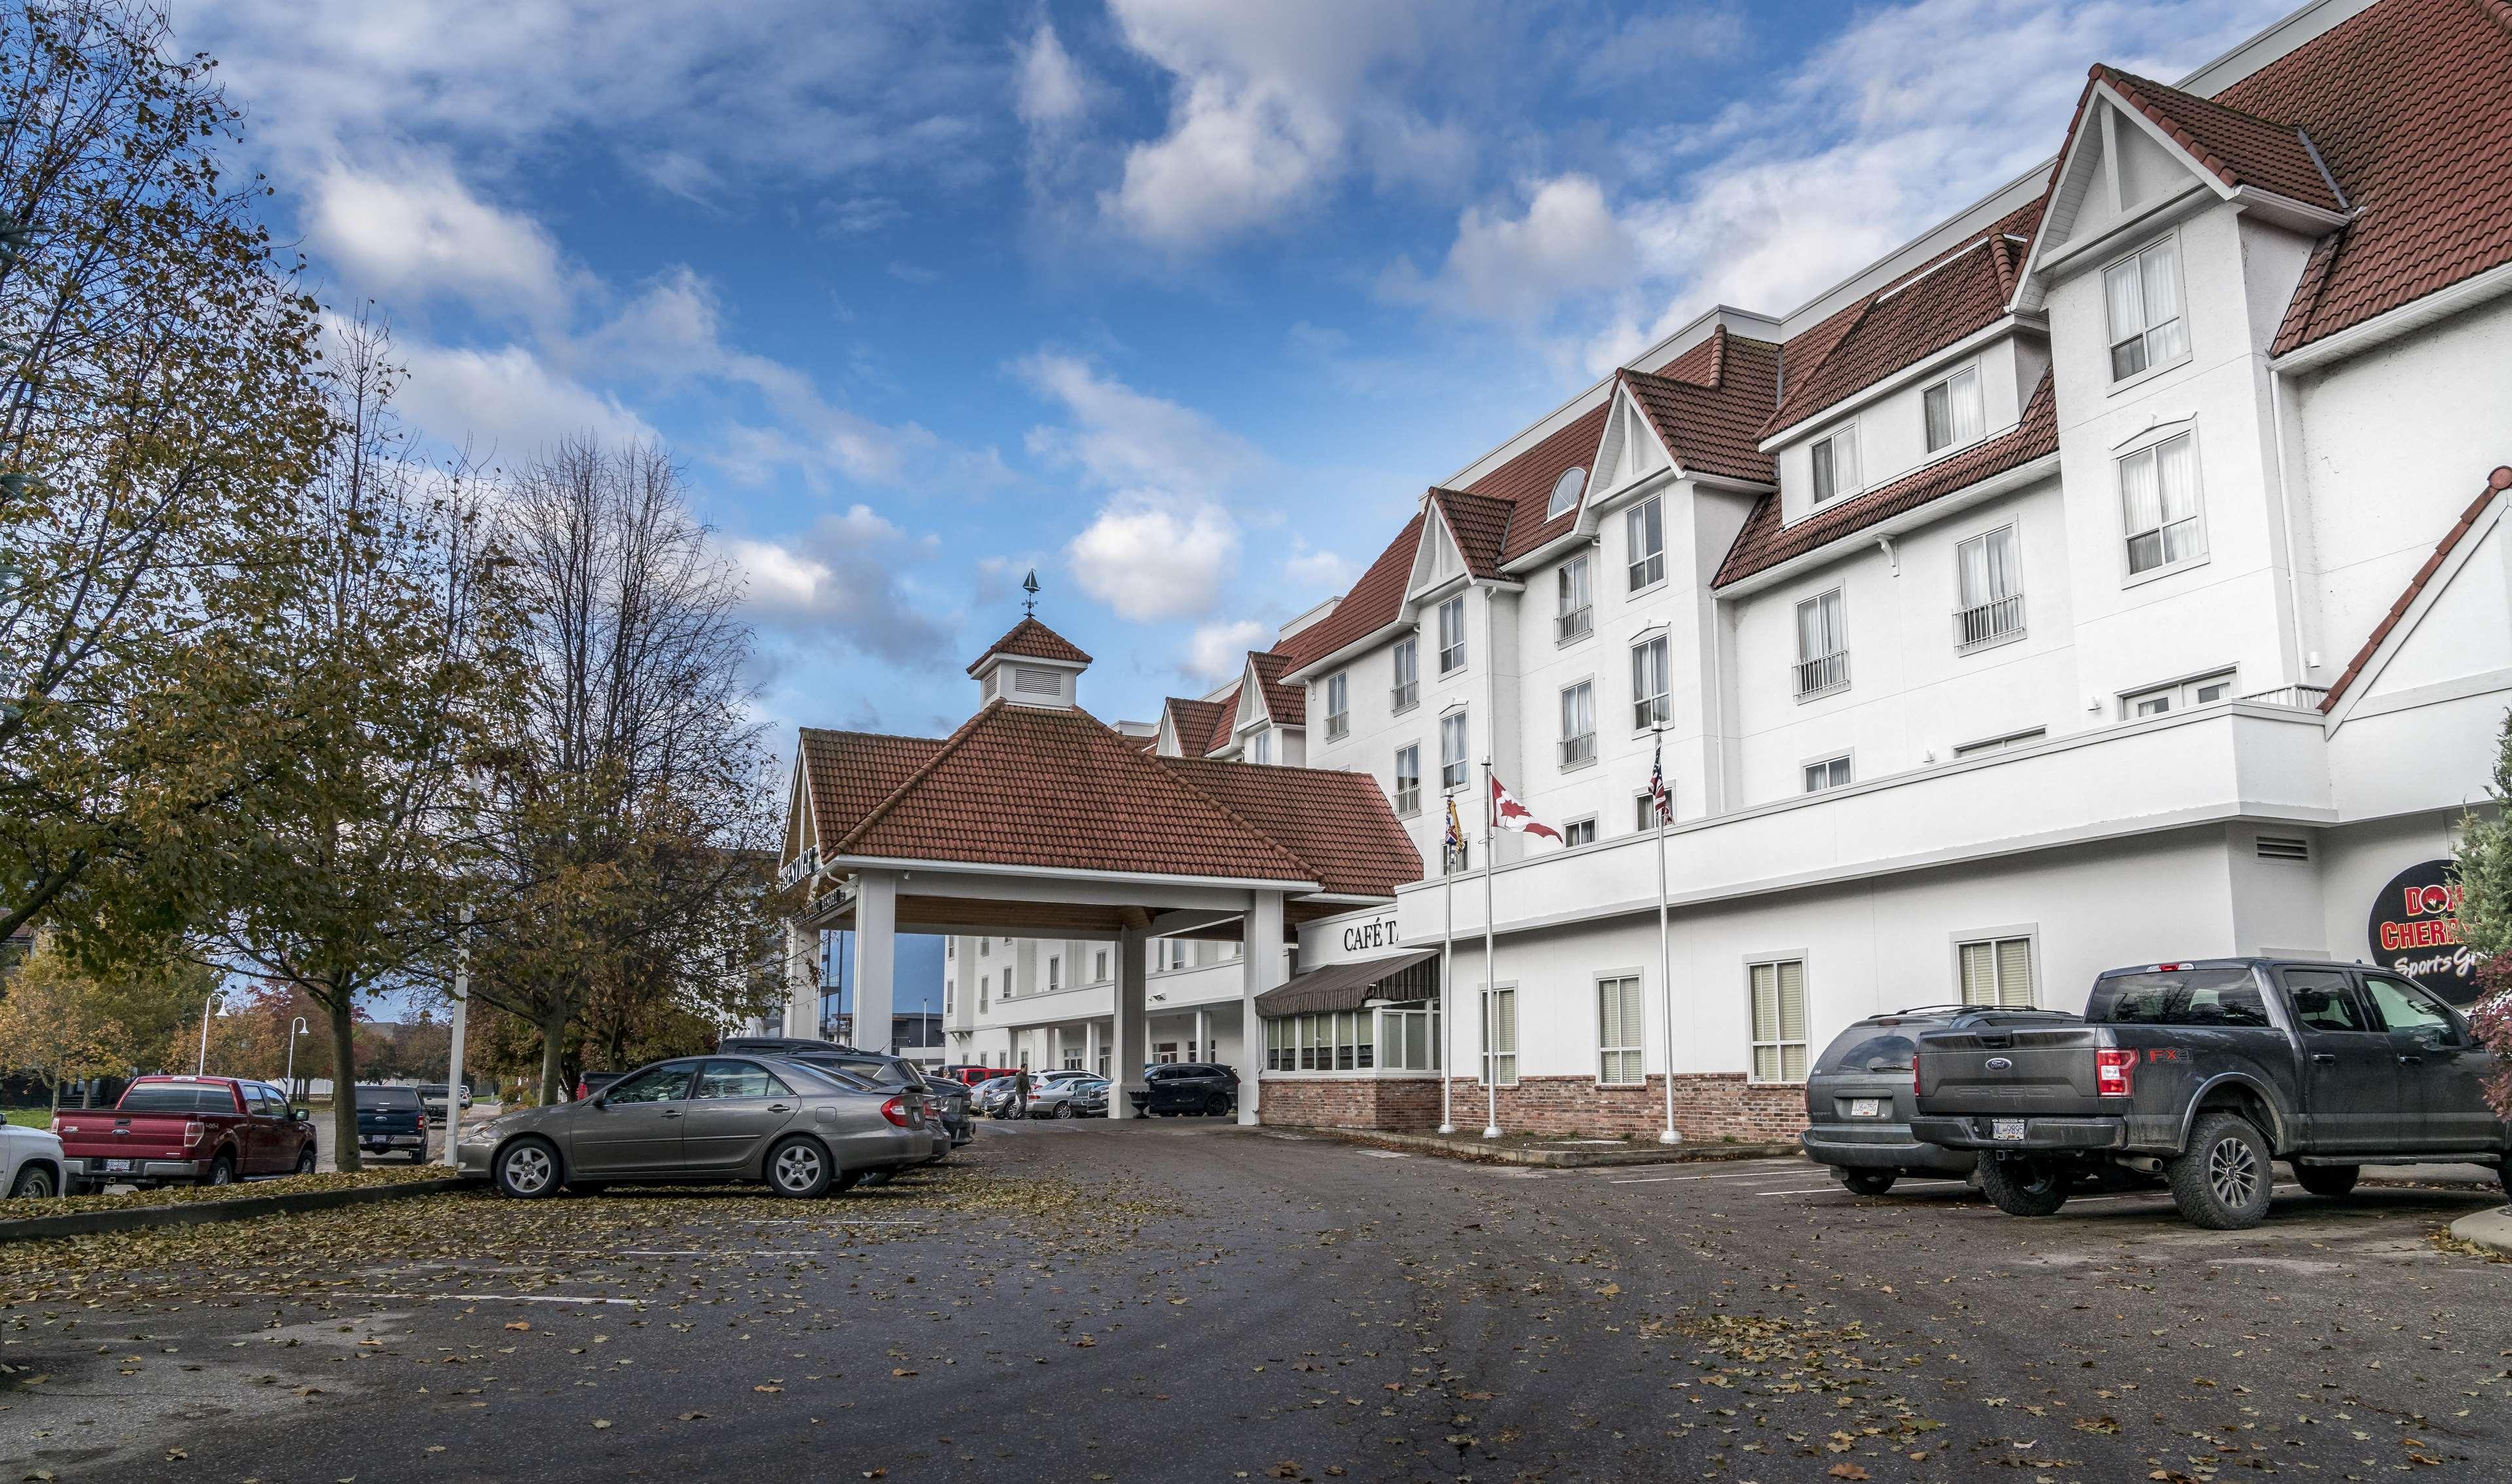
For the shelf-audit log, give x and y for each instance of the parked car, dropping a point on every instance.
(33, 1164)
(1859, 1104)
(993, 1096)
(943, 1104)
(588, 1083)
(186, 1130)
(1062, 1097)
(1088, 1099)
(799, 1128)
(970, 1073)
(2206, 1070)
(1179, 1089)
(431, 1096)
(391, 1119)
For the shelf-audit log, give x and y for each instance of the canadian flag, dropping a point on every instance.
(1509, 814)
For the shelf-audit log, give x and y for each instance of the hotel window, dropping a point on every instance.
(1408, 779)
(1576, 615)
(1406, 691)
(1579, 832)
(1644, 809)
(1452, 634)
(1099, 966)
(1823, 645)
(1997, 972)
(2159, 504)
(1830, 773)
(1779, 1021)
(1652, 704)
(2205, 691)
(1952, 409)
(985, 990)
(2144, 294)
(1054, 973)
(1619, 1023)
(985, 945)
(1836, 465)
(1565, 493)
(1578, 725)
(1500, 1019)
(1991, 596)
(1644, 533)
(1259, 747)
(1452, 750)
(1338, 707)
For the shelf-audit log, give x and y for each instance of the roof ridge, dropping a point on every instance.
(2499, 11)
(2497, 481)
(950, 744)
(1864, 308)
(1717, 356)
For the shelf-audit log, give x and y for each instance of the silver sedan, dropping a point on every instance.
(712, 1118)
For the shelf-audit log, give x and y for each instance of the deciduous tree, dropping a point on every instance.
(2484, 858)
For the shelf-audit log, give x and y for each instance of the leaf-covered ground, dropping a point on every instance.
(21, 1207)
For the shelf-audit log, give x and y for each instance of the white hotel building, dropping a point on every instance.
(2118, 572)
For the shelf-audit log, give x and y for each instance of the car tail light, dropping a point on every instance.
(2112, 1073)
(895, 1110)
(59, 1127)
(581, 1093)
(195, 1131)
(1916, 1089)
(423, 1123)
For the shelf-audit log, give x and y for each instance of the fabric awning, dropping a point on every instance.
(1349, 985)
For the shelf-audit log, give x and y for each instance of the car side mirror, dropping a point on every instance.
(300, 1115)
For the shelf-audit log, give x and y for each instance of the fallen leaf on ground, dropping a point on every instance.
(1847, 1471)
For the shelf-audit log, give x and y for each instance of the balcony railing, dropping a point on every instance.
(1579, 750)
(1987, 623)
(1405, 697)
(1578, 623)
(2300, 697)
(1822, 673)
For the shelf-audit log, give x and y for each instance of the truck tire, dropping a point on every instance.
(2328, 1179)
(527, 1169)
(306, 1160)
(1867, 1182)
(34, 1182)
(2222, 1181)
(222, 1171)
(2024, 1186)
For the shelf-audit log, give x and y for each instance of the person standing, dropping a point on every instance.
(1020, 1091)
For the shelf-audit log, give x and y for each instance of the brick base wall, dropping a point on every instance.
(1707, 1105)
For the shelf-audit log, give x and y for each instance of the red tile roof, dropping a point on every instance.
(851, 771)
(1286, 704)
(1480, 522)
(1371, 606)
(2496, 484)
(1526, 482)
(1713, 426)
(2407, 105)
(2238, 148)
(1765, 543)
(1034, 640)
(1192, 721)
(1030, 786)
(1225, 723)
(1338, 823)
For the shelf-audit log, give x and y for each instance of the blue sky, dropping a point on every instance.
(1180, 302)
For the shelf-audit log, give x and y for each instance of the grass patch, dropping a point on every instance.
(31, 1118)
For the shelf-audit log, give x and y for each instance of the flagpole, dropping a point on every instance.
(1665, 941)
(1447, 972)
(1491, 994)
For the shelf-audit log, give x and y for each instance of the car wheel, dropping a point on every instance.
(1215, 1106)
(798, 1168)
(1064, 1110)
(34, 1182)
(527, 1169)
(2024, 1186)
(2328, 1179)
(306, 1160)
(222, 1171)
(2222, 1181)
(1867, 1182)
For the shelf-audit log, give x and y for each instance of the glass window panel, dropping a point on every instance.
(661, 1084)
(2125, 296)
(1935, 404)
(1644, 526)
(1964, 393)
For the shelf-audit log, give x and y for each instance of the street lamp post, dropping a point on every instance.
(295, 1028)
(461, 1016)
(207, 1006)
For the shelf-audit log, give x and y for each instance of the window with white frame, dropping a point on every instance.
(1575, 614)
(1054, 971)
(1452, 634)
(1619, 1030)
(1997, 972)
(1645, 533)
(1823, 645)
(1830, 773)
(2142, 292)
(2180, 695)
(1408, 778)
(1836, 465)
(1779, 1021)
(1406, 691)
(1499, 1021)
(985, 945)
(1338, 705)
(1566, 491)
(1401, 1037)
(1260, 746)
(1991, 591)
(1099, 966)
(1578, 725)
(2159, 504)
(985, 990)
(1579, 832)
(1452, 750)
(1952, 409)
(1652, 682)
(1644, 818)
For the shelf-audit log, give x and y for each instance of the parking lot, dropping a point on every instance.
(1191, 1301)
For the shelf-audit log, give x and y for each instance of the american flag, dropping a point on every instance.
(1658, 795)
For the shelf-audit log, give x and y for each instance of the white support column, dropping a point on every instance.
(876, 957)
(1132, 1029)
(1203, 1039)
(1260, 961)
(1090, 1046)
(801, 981)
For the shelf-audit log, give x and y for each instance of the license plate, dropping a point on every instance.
(112, 1166)
(2006, 1128)
(378, 1143)
(1866, 1108)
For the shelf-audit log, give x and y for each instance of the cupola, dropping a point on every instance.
(1033, 665)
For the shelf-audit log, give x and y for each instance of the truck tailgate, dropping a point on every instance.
(2031, 1068)
(104, 1134)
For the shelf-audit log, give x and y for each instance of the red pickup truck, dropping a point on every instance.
(186, 1130)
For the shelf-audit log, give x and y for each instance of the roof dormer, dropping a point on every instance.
(1033, 665)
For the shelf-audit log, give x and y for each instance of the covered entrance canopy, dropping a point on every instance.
(1395, 980)
(1036, 819)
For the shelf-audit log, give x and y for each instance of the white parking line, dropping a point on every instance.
(829, 1221)
(1386, 1154)
(483, 1298)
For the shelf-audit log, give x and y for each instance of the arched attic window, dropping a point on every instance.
(1566, 491)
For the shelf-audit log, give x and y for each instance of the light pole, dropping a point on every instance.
(462, 1014)
(207, 1006)
(295, 1028)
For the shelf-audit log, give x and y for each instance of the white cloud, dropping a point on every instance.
(1311, 570)
(406, 226)
(1123, 438)
(1567, 242)
(839, 583)
(1051, 89)
(1150, 558)
(1218, 651)
(505, 403)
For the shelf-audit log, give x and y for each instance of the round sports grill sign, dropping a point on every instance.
(2415, 931)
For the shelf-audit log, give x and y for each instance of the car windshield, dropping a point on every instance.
(176, 1097)
(387, 1097)
(2184, 998)
(1872, 1049)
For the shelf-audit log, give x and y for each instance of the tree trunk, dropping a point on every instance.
(553, 1044)
(344, 1086)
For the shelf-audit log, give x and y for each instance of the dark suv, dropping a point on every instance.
(1187, 1088)
(1859, 1102)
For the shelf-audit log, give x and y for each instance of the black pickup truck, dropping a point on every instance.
(392, 1120)
(2205, 1071)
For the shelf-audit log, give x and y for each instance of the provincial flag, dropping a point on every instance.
(1456, 839)
(1657, 795)
(1509, 814)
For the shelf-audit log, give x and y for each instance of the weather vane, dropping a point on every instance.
(1029, 585)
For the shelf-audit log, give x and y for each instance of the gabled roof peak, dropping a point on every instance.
(1031, 639)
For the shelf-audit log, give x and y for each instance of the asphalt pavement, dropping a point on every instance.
(1160, 1301)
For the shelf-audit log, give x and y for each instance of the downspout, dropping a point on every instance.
(2297, 671)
